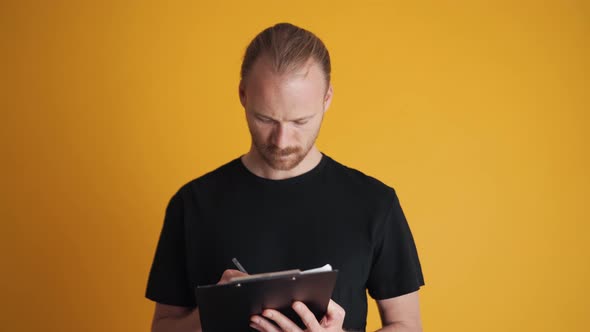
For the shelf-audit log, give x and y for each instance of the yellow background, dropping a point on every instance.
(477, 112)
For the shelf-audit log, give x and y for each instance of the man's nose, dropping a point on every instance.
(280, 137)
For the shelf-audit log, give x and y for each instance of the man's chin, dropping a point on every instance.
(285, 163)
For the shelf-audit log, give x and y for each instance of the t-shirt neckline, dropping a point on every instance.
(295, 179)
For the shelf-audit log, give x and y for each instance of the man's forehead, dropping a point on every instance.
(279, 116)
(266, 68)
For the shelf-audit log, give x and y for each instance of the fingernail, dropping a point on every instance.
(267, 314)
(254, 319)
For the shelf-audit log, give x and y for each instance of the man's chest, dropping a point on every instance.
(279, 236)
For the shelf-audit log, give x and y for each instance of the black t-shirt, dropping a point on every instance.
(330, 215)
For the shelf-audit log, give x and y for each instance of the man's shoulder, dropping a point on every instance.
(214, 178)
(357, 179)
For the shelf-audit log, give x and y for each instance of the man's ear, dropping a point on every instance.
(328, 97)
(242, 93)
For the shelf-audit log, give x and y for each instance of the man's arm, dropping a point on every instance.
(182, 319)
(400, 314)
(175, 319)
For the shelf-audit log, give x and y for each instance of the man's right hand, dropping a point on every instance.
(229, 274)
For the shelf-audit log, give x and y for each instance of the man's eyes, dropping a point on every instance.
(265, 120)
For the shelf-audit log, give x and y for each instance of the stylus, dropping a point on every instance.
(238, 265)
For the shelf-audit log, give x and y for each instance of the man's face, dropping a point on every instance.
(284, 111)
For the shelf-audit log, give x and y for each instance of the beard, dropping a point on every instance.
(282, 159)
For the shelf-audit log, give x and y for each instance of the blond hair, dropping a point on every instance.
(288, 47)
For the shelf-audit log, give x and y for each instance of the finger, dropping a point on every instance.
(256, 326)
(263, 324)
(306, 315)
(334, 313)
(284, 323)
(229, 274)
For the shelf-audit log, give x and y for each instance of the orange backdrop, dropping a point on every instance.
(477, 112)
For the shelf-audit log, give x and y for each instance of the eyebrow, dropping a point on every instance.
(294, 120)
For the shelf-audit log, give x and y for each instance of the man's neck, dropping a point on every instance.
(255, 164)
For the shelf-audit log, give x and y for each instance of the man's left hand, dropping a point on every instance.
(332, 322)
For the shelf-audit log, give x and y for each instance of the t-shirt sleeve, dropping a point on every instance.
(168, 281)
(396, 267)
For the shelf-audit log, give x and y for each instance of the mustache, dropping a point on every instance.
(273, 149)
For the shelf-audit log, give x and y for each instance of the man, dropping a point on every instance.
(286, 205)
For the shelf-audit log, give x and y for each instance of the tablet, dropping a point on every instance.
(228, 307)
